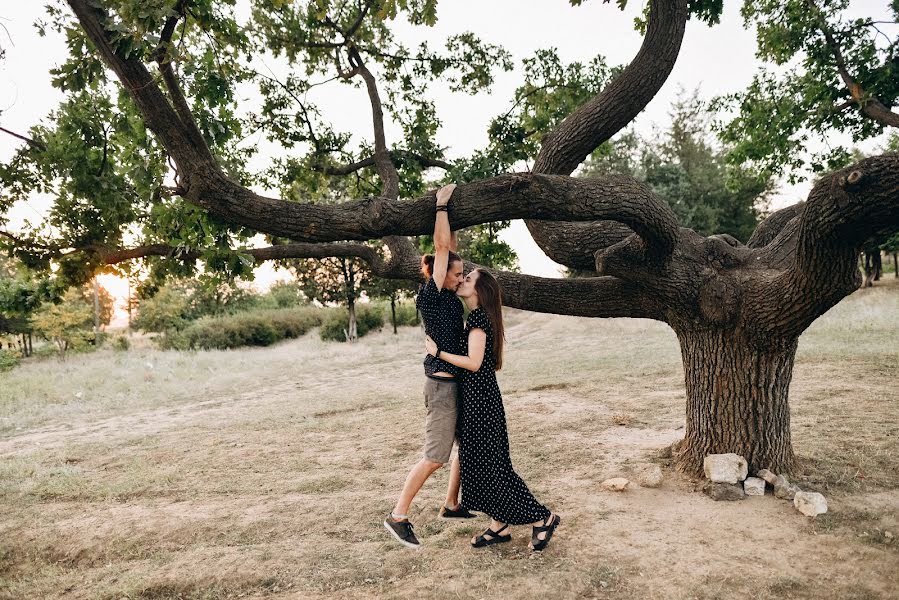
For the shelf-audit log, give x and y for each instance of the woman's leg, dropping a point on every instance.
(494, 526)
(455, 483)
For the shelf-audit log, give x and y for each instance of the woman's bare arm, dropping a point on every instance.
(477, 344)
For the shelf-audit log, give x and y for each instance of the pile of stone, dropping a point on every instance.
(728, 479)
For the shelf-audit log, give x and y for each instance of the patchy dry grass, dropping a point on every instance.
(266, 473)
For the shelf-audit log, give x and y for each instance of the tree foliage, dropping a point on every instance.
(685, 168)
(825, 73)
(69, 322)
(21, 293)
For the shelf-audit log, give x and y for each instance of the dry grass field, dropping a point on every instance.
(266, 473)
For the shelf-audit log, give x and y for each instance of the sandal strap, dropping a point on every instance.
(495, 534)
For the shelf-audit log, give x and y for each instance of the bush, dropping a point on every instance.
(121, 343)
(368, 317)
(256, 328)
(166, 311)
(406, 314)
(8, 359)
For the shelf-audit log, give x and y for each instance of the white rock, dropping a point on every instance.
(616, 484)
(753, 486)
(810, 504)
(725, 468)
(650, 476)
(767, 476)
(79, 395)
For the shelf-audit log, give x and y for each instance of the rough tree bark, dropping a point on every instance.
(738, 311)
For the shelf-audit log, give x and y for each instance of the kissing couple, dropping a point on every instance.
(463, 402)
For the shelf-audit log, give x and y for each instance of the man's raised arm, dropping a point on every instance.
(444, 239)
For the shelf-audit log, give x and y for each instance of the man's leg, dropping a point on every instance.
(416, 478)
(440, 400)
(397, 522)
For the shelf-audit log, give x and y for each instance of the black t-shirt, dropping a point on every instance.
(441, 311)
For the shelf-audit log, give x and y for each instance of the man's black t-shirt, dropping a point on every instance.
(441, 310)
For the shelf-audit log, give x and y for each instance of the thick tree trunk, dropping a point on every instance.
(737, 400)
(393, 313)
(352, 333)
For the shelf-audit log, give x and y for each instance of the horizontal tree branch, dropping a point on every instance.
(512, 196)
(588, 297)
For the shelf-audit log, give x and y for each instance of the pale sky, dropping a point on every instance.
(718, 60)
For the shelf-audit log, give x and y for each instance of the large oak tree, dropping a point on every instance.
(738, 310)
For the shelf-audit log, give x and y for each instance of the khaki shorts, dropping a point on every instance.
(441, 400)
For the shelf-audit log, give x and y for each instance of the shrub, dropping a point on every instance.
(8, 359)
(121, 343)
(165, 311)
(406, 314)
(368, 317)
(256, 328)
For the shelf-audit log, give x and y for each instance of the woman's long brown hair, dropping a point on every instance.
(490, 297)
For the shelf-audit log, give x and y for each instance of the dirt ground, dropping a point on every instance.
(266, 473)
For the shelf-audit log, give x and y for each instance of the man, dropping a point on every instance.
(442, 314)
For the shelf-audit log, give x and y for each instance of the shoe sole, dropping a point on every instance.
(399, 539)
(446, 518)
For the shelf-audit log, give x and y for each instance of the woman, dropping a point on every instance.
(489, 484)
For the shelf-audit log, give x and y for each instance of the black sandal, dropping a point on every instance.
(495, 537)
(549, 526)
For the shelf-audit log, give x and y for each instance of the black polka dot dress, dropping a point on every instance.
(489, 483)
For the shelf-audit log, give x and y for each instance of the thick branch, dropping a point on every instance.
(621, 100)
(358, 23)
(602, 117)
(168, 30)
(507, 197)
(390, 180)
(158, 114)
(512, 196)
(768, 229)
(843, 210)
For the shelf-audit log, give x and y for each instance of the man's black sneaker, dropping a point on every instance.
(402, 531)
(462, 513)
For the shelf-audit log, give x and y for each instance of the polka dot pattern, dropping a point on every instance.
(489, 483)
